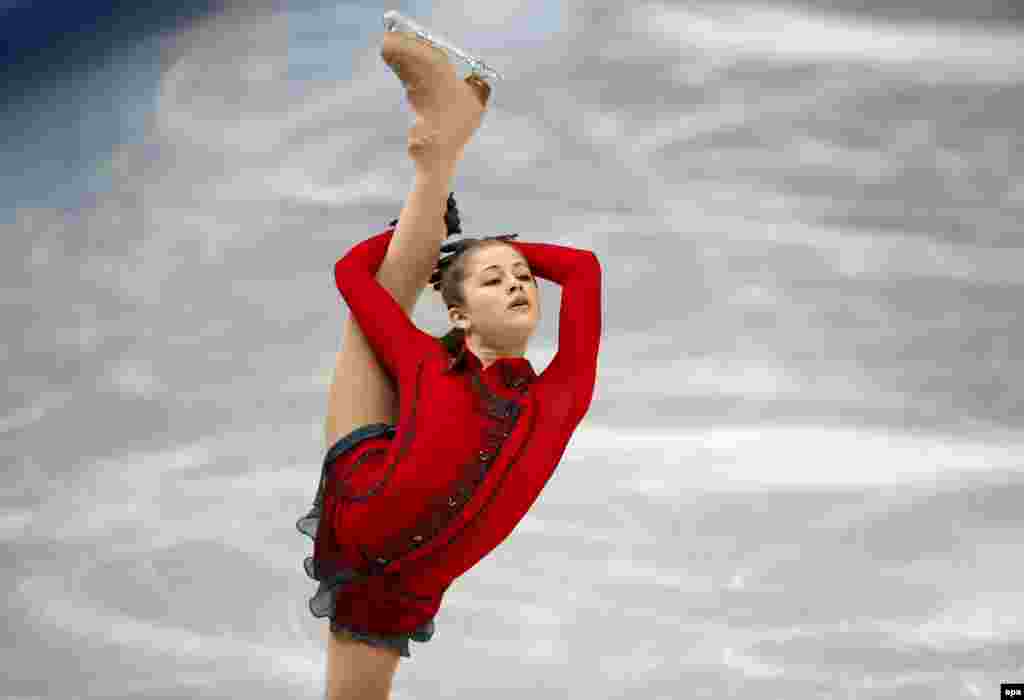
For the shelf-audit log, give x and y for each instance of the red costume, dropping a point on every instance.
(407, 509)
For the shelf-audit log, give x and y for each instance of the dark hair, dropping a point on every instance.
(451, 217)
(451, 273)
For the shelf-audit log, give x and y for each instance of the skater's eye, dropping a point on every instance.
(525, 278)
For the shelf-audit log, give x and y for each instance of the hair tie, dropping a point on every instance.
(457, 248)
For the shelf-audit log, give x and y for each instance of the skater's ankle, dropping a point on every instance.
(431, 170)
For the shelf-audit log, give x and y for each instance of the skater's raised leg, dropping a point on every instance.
(448, 111)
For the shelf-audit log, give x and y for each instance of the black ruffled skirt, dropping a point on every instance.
(334, 567)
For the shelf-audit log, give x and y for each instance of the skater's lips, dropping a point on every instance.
(519, 300)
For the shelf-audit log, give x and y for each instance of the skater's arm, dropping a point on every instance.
(393, 337)
(579, 324)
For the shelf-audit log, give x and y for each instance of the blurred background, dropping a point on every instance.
(800, 476)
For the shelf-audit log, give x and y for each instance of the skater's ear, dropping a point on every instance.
(458, 318)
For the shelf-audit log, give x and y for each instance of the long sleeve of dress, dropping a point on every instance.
(395, 339)
(574, 366)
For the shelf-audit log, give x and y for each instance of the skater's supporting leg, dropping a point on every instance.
(358, 670)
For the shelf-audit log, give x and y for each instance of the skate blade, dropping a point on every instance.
(394, 21)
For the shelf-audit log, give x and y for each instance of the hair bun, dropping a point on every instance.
(451, 216)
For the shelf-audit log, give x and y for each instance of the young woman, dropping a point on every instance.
(412, 495)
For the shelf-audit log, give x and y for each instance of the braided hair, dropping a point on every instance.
(451, 217)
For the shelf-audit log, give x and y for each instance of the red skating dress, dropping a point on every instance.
(402, 511)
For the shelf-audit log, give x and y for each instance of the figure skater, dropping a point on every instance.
(419, 485)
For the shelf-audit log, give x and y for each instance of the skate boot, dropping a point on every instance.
(448, 110)
(396, 22)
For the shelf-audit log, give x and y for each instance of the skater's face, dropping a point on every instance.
(497, 276)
